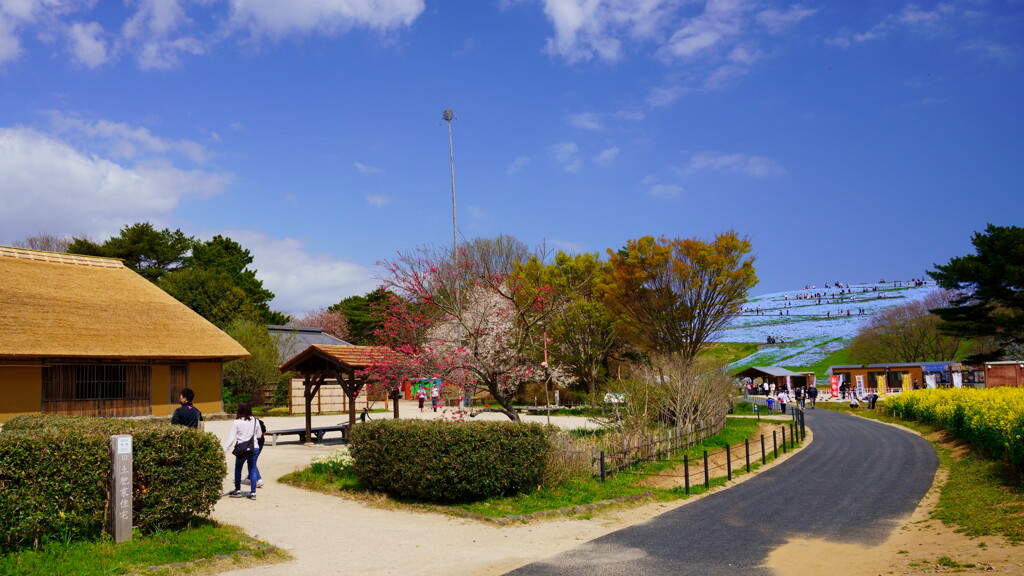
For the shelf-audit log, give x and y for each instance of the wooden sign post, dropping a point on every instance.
(121, 487)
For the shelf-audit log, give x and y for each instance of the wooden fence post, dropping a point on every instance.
(686, 470)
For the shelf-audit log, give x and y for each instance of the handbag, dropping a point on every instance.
(245, 448)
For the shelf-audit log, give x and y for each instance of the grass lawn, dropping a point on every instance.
(189, 551)
(573, 492)
(837, 358)
(981, 497)
(729, 352)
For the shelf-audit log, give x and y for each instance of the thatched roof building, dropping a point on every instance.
(85, 335)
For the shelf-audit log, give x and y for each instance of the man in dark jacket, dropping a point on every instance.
(187, 414)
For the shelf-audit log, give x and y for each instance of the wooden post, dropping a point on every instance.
(746, 443)
(707, 475)
(686, 471)
(121, 487)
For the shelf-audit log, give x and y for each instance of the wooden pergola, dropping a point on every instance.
(317, 364)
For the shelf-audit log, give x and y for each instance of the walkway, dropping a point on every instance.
(854, 484)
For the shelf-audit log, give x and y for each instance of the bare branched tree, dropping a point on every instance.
(45, 242)
(906, 333)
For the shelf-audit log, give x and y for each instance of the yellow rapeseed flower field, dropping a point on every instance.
(990, 418)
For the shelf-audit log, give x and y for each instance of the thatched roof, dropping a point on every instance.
(350, 358)
(68, 306)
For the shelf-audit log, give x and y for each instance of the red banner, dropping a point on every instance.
(834, 381)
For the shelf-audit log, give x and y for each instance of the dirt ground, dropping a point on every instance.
(333, 535)
(915, 548)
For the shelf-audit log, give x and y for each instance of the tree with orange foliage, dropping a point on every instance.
(670, 297)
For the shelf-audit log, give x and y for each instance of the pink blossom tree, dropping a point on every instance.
(332, 322)
(476, 322)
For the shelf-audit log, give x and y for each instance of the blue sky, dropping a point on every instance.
(851, 141)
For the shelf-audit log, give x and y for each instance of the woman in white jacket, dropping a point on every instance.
(244, 429)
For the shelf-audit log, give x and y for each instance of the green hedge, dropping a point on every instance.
(439, 461)
(54, 476)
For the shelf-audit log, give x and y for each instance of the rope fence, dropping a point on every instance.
(621, 453)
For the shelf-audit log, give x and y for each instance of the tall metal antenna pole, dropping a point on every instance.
(448, 116)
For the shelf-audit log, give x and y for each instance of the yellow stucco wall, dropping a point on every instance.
(21, 387)
(159, 390)
(205, 379)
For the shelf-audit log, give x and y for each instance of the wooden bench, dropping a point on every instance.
(317, 431)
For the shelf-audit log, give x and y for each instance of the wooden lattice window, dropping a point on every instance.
(97, 389)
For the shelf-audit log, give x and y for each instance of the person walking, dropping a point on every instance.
(187, 415)
(259, 450)
(783, 398)
(812, 393)
(435, 397)
(421, 397)
(244, 435)
(798, 394)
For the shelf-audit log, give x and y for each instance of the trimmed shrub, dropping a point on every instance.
(54, 476)
(441, 461)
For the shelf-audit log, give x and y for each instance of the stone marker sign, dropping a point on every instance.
(121, 487)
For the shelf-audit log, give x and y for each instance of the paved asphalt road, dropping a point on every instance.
(852, 484)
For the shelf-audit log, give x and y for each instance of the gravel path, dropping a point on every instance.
(329, 535)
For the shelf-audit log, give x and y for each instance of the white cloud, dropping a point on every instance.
(664, 95)
(365, 169)
(664, 190)
(278, 19)
(909, 17)
(755, 166)
(302, 281)
(1000, 53)
(158, 34)
(10, 46)
(586, 28)
(568, 246)
(87, 45)
(125, 141)
(586, 121)
(721, 21)
(517, 165)
(469, 45)
(606, 156)
(779, 21)
(708, 42)
(377, 199)
(153, 34)
(567, 154)
(632, 115)
(46, 185)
